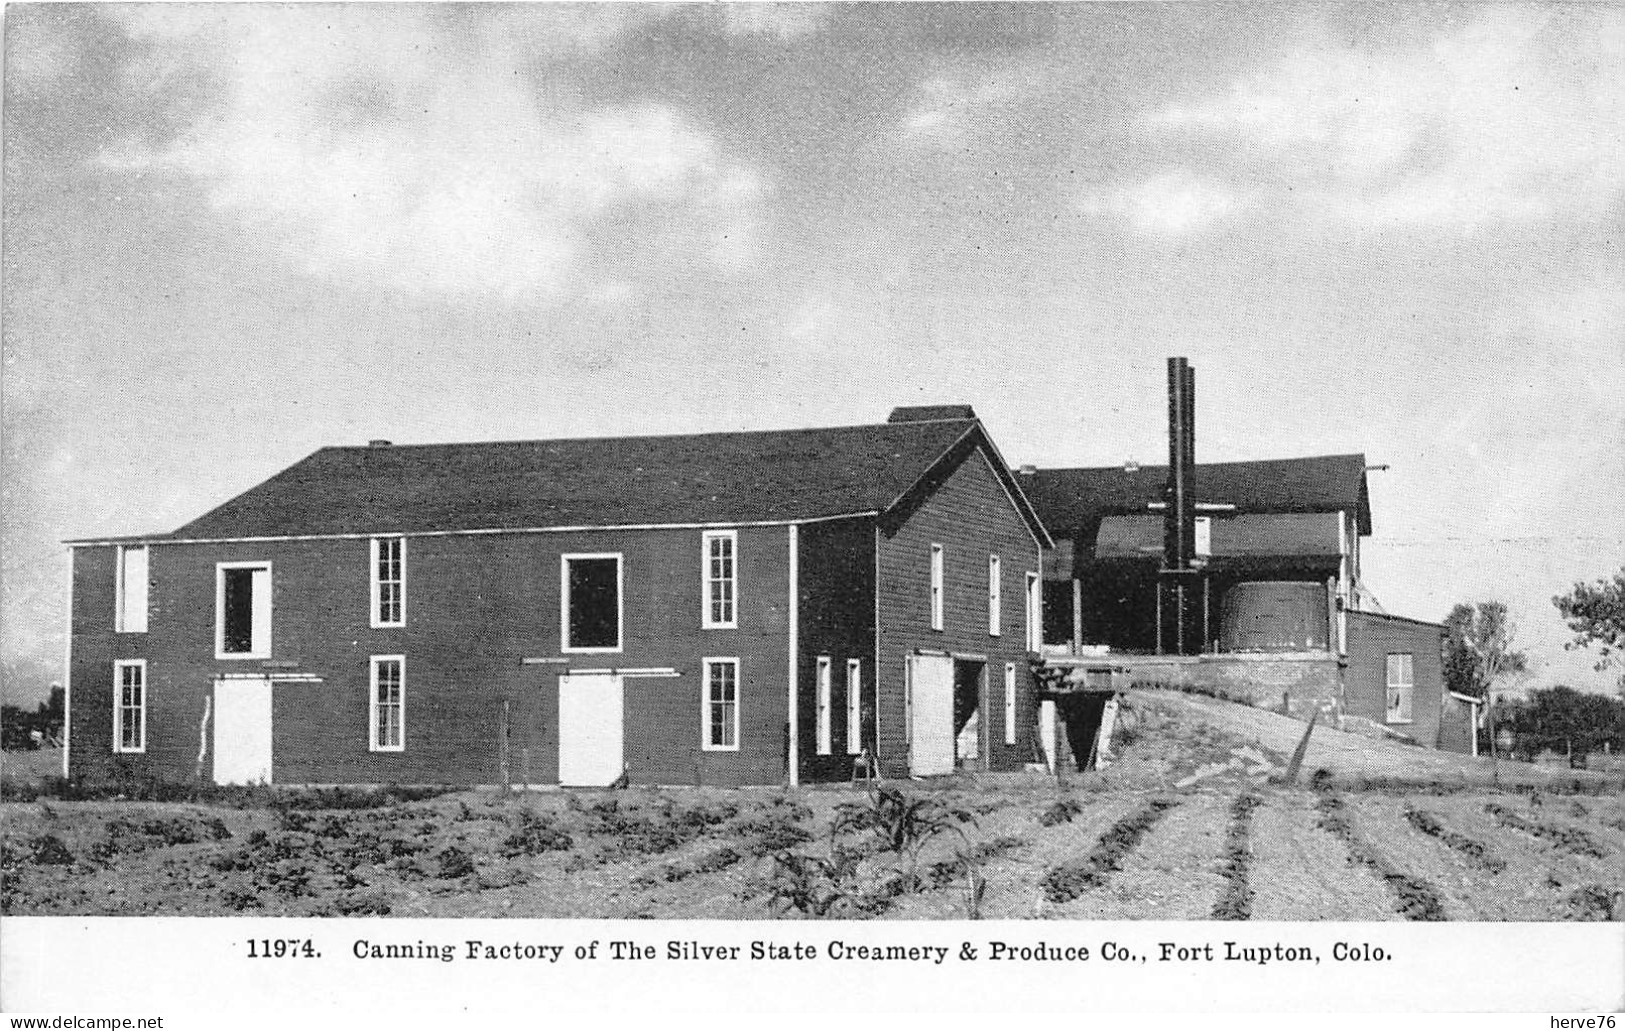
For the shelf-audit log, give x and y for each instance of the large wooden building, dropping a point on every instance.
(738, 608)
(1281, 615)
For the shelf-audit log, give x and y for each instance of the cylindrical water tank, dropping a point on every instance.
(1274, 616)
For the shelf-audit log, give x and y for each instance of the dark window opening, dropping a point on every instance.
(594, 599)
(238, 611)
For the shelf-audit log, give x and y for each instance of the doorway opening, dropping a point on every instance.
(970, 681)
(1082, 714)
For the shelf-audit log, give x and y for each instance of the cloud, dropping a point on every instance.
(786, 21)
(419, 148)
(1169, 204)
(946, 108)
(1517, 116)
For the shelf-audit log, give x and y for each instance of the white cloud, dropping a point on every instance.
(786, 21)
(377, 141)
(947, 107)
(1170, 204)
(1519, 116)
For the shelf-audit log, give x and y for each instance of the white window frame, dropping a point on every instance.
(854, 706)
(118, 707)
(707, 583)
(127, 618)
(1035, 612)
(373, 744)
(706, 701)
(826, 743)
(375, 545)
(995, 599)
(1009, 703)
(564, 602)
(264, 651)
(1407, 686)
(937, 606)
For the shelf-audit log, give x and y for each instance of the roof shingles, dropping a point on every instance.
(616, 481)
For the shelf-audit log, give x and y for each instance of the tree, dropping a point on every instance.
(1596, 614)
(1478, 648)
(1561, 719)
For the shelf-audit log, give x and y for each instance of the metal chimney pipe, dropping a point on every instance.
(1176, 545)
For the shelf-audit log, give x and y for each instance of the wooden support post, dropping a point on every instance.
(1077, 615)
(1159, 617)
(502, 746)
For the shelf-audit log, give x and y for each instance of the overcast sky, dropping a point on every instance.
(234, 234)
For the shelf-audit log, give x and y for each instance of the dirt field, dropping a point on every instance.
(1349, 842)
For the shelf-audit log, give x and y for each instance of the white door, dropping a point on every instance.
(931, 748)
(242, 731)
(591, 725)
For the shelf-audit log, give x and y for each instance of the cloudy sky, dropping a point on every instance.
(234, 234)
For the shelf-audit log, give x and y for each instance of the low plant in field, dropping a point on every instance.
(1416, 899)
(1068, 881)
(531, 834)
(899, 823)
(1059, 812)
(822, 887)
(1237, 901)
(452, 863)
(1570, 839)
(1475, 851)
(49, 850)
(1596, 902)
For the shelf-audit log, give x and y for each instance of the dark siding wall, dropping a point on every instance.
(1371, 639)
(476, 606)
(837, 617)
(971, 516)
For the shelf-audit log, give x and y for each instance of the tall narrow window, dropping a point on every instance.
(388, 732)
(936, 587)
(130, 595)
(130, 705)
(242, 610)
(721, 579)
(1401, 682)
(825, 744)
(995, 604)
(1009, 703)
(1035, 613)
(590, 608)
(854, 707)
(388, 581)
(721, 707)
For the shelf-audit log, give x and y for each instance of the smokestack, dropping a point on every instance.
(1179, 515)
(1178, 584)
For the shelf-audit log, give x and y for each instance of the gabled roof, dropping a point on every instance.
(1072, 502)
(767, 476)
